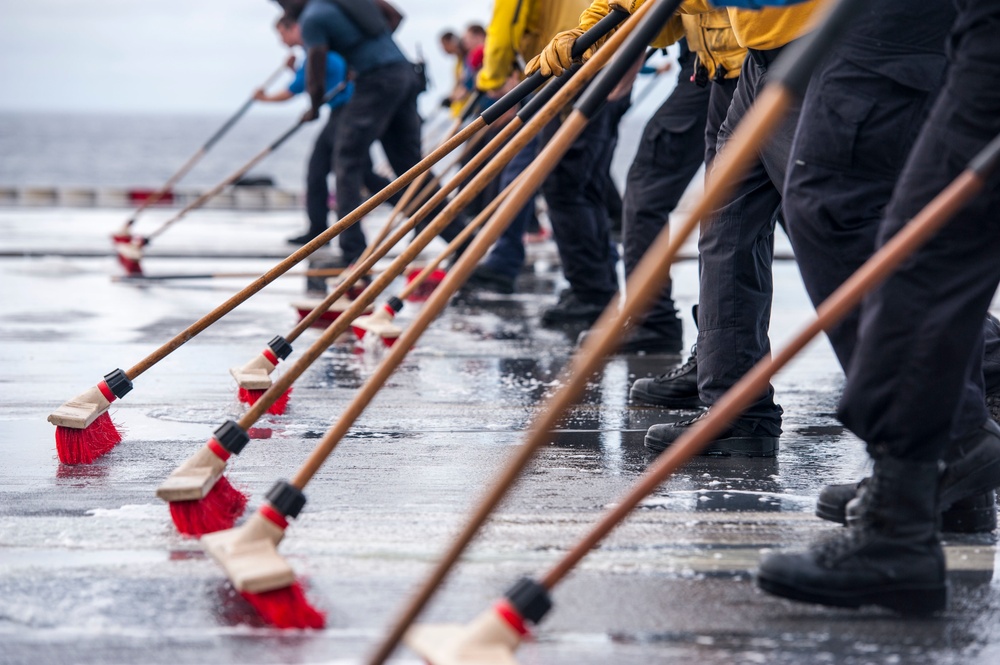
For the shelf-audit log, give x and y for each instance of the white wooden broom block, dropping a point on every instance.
(380, 323)
(194, 479)
(339, 306)
(249, 555)
(488, 640)
(129, 250)
(81, 411)
(255, 375)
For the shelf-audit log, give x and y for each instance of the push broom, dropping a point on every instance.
(130, 253)
(380, 323)
(253, 378)
(201, 499)
(249, 553)
(529, 599)
(492, 637)
(84, 430)
(125, 234)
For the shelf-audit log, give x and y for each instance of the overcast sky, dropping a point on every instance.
(171, 55)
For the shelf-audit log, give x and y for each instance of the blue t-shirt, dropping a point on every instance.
(336, 72)
(325, 24)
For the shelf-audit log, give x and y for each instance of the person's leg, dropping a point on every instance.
(670, 153)
(580, 223)
(910, 388)
(854, 134)
(401, 142)
(734, 310)
(504, 261)
(317, 179)
(365, 118)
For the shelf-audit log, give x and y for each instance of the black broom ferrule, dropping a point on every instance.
(395, 304)
(118, 382)
(530, 599)
(232, 437)
(280, 347)
(286, 499)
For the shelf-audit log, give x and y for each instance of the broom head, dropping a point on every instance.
(84, 430)
(489, 640)
(249, 556)
(424, 291)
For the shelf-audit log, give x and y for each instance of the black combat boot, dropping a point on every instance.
(744, 437)
(890, 556)
(967, 496)
(677, 389)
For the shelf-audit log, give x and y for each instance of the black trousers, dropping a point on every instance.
(576, 197)
(915, 381)
(384, 109)
(736, 249)
(679, 137)
(318, 173)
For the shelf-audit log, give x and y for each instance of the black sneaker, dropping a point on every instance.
(643, 340)
(487, 279)
(571, 309)
(746, 437)
(677, 389)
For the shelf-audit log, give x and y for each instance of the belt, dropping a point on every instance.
(764, 58)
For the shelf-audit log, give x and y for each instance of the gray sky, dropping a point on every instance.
(172, 55)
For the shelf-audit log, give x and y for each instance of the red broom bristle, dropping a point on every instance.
(250, 397)
(358, 331)
(286, 608)
(218, 511)
(131, 266)
(83, 446)
(424, 291)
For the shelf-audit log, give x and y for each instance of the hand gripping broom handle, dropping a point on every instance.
(509, 100)
(653, 272)
(480, 157)
(196, 157)
(398, 265)
(868, 277)
(240, 172)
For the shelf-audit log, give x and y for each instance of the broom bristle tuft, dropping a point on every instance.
(83, 446)
(286, 608)
(250, 397)
(424, 291)
(218, 511)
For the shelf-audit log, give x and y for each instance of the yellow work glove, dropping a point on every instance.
(557, 56)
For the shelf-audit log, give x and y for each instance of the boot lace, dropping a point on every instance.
(681, 370)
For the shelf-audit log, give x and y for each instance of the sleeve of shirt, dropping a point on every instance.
(499, 54)
(298, 84)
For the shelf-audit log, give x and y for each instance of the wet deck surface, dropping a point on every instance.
(92, 570)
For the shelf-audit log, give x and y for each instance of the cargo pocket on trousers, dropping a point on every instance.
(828, 128)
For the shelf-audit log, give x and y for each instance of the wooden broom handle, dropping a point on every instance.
(459, 240)
(305, 251)
(364, 267)
(196, 157)
(382, 282)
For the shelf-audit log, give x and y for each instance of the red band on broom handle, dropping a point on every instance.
(273, 516)
(106, 391)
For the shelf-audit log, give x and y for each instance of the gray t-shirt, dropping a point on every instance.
(326, 24)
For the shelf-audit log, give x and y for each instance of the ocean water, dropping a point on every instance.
(143, 150)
